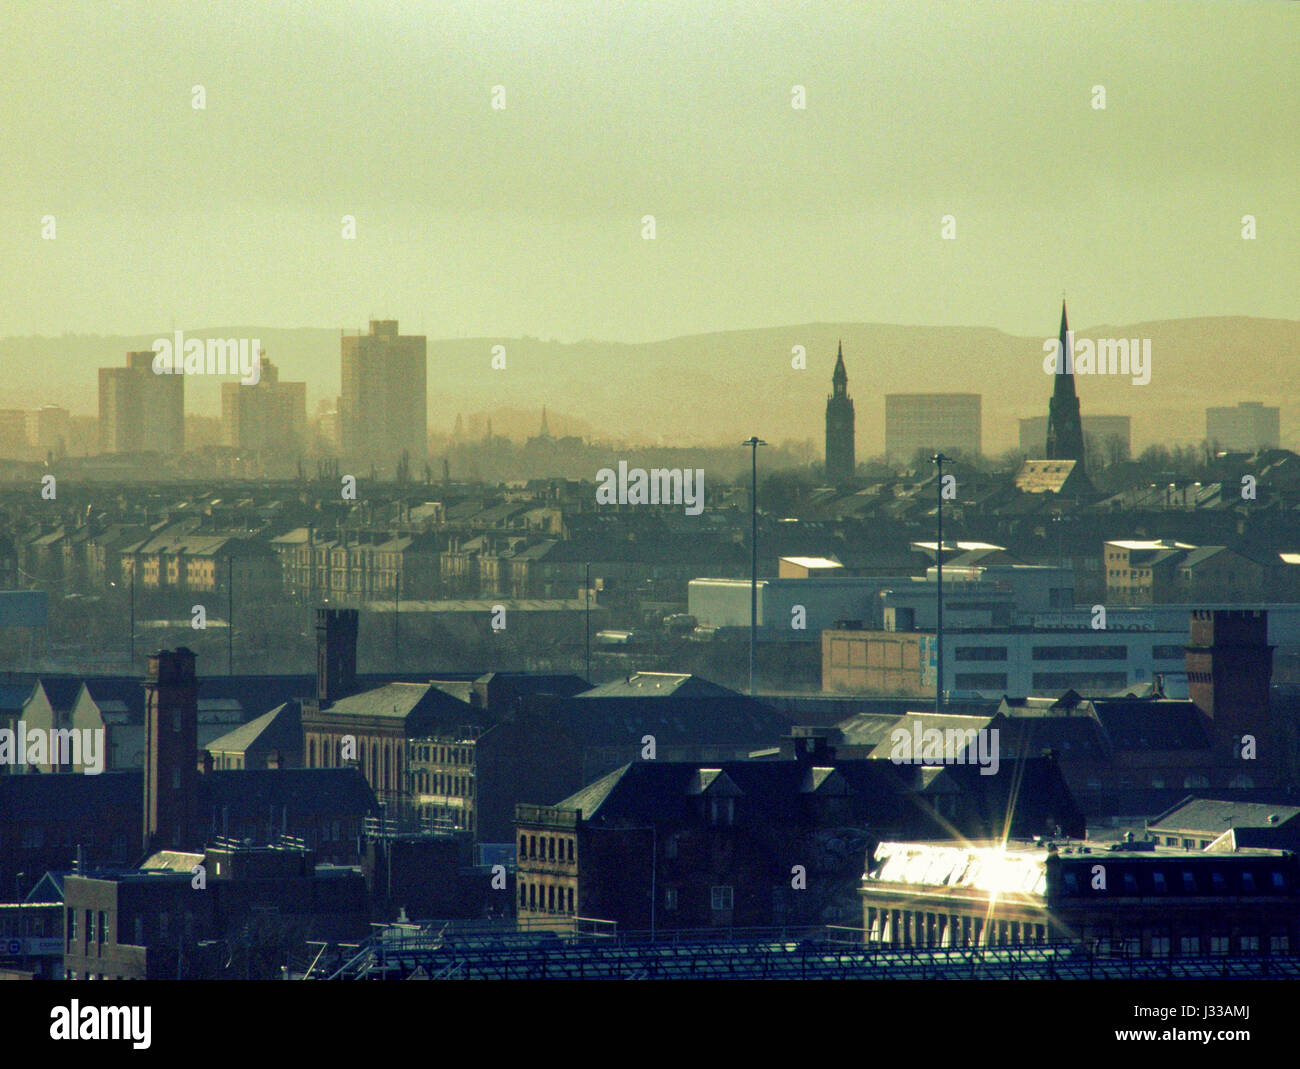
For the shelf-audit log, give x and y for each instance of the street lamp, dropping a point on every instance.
(753, 444)
(938, 460)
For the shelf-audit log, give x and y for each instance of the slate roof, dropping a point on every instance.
(659, 685)
(280, 729)
(881, 794)
(13, 696)
(400, 701)
(914, 723)
(866, 729)
(1210, 816)
(1146, 725)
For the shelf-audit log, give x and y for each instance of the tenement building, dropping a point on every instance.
(1133, 899)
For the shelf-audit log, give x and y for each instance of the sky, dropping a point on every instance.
(529, 219)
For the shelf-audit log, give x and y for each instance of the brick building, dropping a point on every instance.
(1135, 899)
(662, 844)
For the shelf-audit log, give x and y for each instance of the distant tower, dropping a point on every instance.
(1229, 672)
(336, 654)
(839, 426)
(171, 724)
(544, 432)
(1064, 426)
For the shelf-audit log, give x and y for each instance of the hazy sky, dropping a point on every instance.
(528, 219)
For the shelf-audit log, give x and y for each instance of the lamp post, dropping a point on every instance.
(753, 444)
(230, 615)
(22, 935)
(586, 622)
(938, 460)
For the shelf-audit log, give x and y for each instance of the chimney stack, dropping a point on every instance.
(336, 653)
(171, 726)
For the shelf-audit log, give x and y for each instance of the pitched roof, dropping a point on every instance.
(280, 729)
(661, 793)
(401, 701)
(658, 685)
(1138, 724)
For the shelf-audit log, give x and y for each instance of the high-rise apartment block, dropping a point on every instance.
(141, 411)
(1249, 427)
(267, 417)
(383, 411)
(930, 422)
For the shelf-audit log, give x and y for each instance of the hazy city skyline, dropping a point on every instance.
(527, 218)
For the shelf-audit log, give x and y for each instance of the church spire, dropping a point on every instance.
(1065, 371)
(544, 432)
(1064, 423)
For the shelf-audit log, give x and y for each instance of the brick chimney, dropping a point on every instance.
(336, 654)
(171, 726)
(1229, 671)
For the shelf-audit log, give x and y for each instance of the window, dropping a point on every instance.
(532, 846)
(670, 898)
(723, 898)
(981, 681)
(1250, 943)
(1220, 884)
(176, 720)
(550, 845)
(1279, 882)
(571, 910)
(550, 900)
(523, 845)
(1079, 653)
(1189, 882)
(981, 653)
(1159, 879)
(1130, 883)
(570, 849)
(523, 895)
(532, 896)
(1160, 946)
(1218, 944)
(1248, 882)
(1279, 943)
(1189, 945)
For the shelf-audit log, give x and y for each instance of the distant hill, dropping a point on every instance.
(725, 387)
